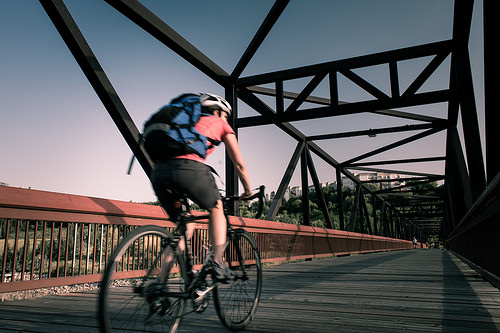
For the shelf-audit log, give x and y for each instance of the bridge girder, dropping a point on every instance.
(464, 172)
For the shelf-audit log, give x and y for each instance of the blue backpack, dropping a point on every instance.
(170, 132)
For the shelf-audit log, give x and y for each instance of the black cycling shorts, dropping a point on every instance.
(192, 178)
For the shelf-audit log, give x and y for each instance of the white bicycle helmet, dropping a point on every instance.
(212, 101)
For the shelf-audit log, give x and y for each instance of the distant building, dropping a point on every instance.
(3, 184)
(296, 191)
(393, 181)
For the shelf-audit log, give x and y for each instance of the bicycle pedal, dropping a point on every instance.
(200, 304)
(200, 299)
(199, 308)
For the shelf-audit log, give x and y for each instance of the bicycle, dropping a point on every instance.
(154, 297)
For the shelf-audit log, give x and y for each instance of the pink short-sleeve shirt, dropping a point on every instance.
(212, 127)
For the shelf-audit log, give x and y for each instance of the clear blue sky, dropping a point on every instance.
(56, 135)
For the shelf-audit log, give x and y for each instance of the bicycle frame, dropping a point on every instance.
(160, 297)
(181, 234)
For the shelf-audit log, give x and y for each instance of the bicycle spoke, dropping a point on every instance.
(132, 297)
(145, 285)
(237, 302)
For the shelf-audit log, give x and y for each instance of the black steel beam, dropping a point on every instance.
(334, 101)
(84, 56)
(306, 216)
(392, 146)
(423, 174)
(412, 180)
(355, 209)
(280, 193)
(144, 18)
(321, 199)
(459, 95)
(266, 26)
(424, 98)
(402, 161)
(492, 116)
(362, 83)
(394, 78)
(371, 132)
(254, 102)
(316, 80)
(457, 183)
(351, 63)
(461, 69)
(340, 198)
(470, 124)
(426, 73)
(286, 94)
(232, 180)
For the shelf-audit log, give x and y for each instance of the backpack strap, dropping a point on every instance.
(156, 127)
(212, 143)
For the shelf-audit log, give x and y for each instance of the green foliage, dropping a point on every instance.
(152, 203)
(291, 210)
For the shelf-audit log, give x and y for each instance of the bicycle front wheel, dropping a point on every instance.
(237, 301)
(134, 296)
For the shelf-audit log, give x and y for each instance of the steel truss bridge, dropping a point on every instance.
(465, 211)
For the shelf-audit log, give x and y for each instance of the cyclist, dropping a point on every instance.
(188, 174)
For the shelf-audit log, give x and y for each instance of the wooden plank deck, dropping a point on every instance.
(424, 290)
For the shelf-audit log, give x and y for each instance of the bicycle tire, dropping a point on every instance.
(134, 299)
(237, 301)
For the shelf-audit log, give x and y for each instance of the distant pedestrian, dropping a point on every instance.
(414, 243)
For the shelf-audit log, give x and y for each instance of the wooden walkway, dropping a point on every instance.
(424, 290)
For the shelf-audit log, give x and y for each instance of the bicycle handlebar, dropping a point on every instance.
(257, 195)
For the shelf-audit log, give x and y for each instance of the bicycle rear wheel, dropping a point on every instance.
(132, 298)
(237, 301)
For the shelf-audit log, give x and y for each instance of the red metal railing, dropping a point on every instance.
(51, 239)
